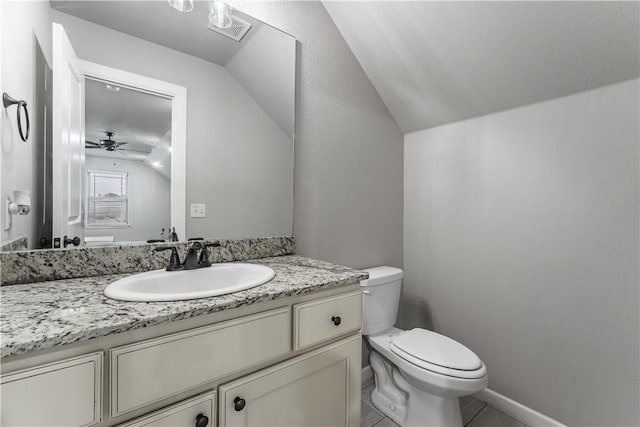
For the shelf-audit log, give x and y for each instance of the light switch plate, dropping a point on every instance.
(198, 210)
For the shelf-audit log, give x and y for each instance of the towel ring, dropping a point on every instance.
(8, 101)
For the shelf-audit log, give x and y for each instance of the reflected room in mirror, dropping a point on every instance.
(147, 124)
(128, 163)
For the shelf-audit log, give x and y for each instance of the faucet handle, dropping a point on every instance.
(195, 245)
(174, 261)
(204, 254)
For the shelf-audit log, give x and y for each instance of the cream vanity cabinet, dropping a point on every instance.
(290, 365)
(321, 388)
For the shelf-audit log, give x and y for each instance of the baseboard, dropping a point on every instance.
(367, 376)
(522, 413)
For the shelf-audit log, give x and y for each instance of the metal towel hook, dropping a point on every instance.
(8, 101)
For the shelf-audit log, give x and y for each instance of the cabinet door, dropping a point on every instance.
(321, 388)
(198, 411)
(65, 393)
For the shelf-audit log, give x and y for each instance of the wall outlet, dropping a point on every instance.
(198, 210)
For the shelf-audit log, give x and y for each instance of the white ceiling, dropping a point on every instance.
(141, 119)
(156, 21)
(439, 62)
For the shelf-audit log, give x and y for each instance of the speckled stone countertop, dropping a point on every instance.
(41, 315)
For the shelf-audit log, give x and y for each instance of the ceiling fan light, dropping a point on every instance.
(182, 5)
(220, 14)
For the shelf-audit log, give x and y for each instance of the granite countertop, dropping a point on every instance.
(41, 315)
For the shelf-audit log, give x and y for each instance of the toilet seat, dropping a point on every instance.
(437, 353)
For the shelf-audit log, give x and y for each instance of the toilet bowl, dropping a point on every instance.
(419, 374)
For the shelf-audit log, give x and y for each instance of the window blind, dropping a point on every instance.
(107, 201)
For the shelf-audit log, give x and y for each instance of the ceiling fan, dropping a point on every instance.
(107, 144)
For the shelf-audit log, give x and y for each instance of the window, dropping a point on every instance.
(107, 201)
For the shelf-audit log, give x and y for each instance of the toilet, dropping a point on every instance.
(418, 374)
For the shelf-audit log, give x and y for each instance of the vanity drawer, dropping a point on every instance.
(327, 318)
(156, 369)
(65, 393)
(183, 414)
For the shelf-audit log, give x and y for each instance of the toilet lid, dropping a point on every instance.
(437, 353)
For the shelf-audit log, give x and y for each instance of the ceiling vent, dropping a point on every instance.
(236, 31)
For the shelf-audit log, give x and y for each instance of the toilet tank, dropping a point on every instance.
(380, 299)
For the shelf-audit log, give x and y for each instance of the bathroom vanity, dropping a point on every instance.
(284, 353)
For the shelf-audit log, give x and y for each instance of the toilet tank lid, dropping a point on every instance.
(382, 275)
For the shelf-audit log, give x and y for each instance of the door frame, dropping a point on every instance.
(178, 96)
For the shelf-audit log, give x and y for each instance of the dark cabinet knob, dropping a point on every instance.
(75, 241)
(238, 403)
(202, 420)
(336, 320)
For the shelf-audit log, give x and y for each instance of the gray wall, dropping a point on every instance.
(348, 149)
(24, 25)
(239, 162)
(265, 66)
(521, 241)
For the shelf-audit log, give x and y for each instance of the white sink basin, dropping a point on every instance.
(161, 285)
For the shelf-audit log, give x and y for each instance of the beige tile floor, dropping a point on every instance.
(475, 413)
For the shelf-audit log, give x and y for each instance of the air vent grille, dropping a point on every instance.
(236, 31)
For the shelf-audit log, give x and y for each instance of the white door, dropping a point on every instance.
(67, 140)
(321, 388)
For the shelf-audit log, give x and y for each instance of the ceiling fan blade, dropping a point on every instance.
(118, 144)
(132, 151)
(92, 146)
(92, 143)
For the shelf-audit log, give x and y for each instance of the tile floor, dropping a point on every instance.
(475, 413)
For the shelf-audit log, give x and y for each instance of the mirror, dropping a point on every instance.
(144, 119)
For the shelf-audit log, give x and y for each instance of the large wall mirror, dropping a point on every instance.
(147, 123)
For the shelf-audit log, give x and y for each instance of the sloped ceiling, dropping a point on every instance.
(439, 62)
(157, 22)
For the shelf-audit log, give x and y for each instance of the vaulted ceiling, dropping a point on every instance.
(157, 22)
(439, 62)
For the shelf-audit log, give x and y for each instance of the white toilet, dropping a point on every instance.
(419, 374)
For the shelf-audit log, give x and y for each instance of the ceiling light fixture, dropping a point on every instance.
(219, 11)
(182, 5)
(220, 14)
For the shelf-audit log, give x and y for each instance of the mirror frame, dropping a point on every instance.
(178, 96)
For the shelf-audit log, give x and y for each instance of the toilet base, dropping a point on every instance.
(407, 405)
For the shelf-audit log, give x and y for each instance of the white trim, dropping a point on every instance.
(178, 96)
(517, 410)
(4, 214)
(367, 376)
